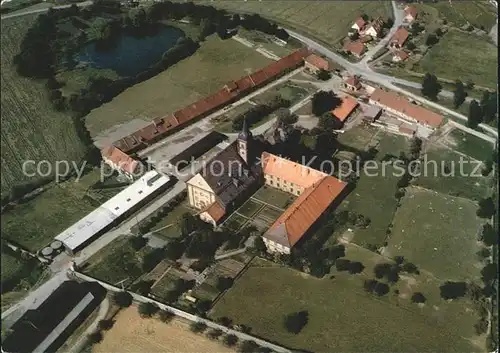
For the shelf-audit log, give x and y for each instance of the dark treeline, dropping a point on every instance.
(257, 113)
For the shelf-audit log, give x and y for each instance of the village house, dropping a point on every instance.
(352, 83)
(410, 14)
(374, 29)
(317, 192)
(356, 48)
(121, 162)
(403, 109)
(371, 113)
(226, 179)
(359, 24)
(399, 38)
(314, 64)
(345, 109)
(399, 56)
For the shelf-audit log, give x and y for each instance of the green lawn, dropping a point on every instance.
(30, 128)
(470, 145)
(249, 208)
(437, 233)
(116, 262)
(171, 220)
(342, 317)
(325, 21)
(472, 186)
(477, 59)
(274, 197)
(214, 64)
(35, 223)
(358, 137)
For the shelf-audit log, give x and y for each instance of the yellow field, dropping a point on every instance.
(131, 333)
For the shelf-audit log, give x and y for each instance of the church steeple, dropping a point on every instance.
(244, 140)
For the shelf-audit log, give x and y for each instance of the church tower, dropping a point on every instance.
(244, 142)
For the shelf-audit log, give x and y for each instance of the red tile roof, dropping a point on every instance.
(226, 95)
(402, 105)
(293, 224)
(402, 54)
(410, 10)
(216, 211)
(355, 47)
(353, 81)
(400, 36)
(345, 109)
(318, 62)
(360, 22)
(119, 159)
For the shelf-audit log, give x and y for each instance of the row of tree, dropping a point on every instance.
(259, 112)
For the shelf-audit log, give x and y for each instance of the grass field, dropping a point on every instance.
(274, 197)
(131, 333)
(472, 186)
(342, 317)
(170, 223)
(326, 21)
(437, 233)
(470, 145)
(30, 128)
(478, 59)
(117, 261)
(214, 64)
(35, 223)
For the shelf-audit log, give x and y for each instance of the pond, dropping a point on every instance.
(130, 55)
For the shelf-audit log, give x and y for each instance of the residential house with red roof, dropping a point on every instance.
(359, 24)
(352, 83)
(314, 63)
(345, 109)
(399, 56)
(399, 38)
(356, 48)
(410, 14)
(120, 161)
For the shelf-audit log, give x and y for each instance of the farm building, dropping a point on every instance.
(359, 24)
(399, 38)
(317, 192)
(109, 213)
(120, 161)
(47, 327)
(403, 109)
(374, 29)
(356, 48)
(399, 56)
(371, 113)
(410, 14)
(314, 63)
(345, 109)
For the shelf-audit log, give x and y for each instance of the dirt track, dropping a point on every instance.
(131, 333)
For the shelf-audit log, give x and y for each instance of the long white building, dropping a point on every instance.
(89, 227)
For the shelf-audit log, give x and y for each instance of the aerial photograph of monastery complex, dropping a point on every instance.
(249, 176)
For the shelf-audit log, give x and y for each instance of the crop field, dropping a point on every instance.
(478, 59)
(326, 21)
(470, 145)
(445, 175)
(30, 128)
(35, 223)
(131, 333)
(214, 64)
(437, 233)
(342, 316)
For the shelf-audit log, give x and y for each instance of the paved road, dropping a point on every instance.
(28, 12)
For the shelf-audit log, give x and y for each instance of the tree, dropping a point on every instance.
(202, 306)
(408, 267)
(324, 101)
(488, 235)
(356, 267)
(418, 297)
(259, 245)
(328, 122)
(206, 28)
(475, 114)
(214, 334)
(410, 45)
(230, 340)
(381, 270)
(453, 290)
(489, 272)
(489, 106)
(324, 75)
(198, 327)
(381, 289)
(285, 117)
(166, 315)
(431, 40)
(143, 287)
(224, 283)
(147, 309)
(137, 242)
(369, 285)
(430, 86)
(486, 208)
(484, 253)
(187, 224)
(95, 337)
(248, 347)
(122, 299)
(459, 94)
(224, 321)
(295, 322)
(342, 265)
(104, 325)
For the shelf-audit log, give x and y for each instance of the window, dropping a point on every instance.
(285, 182)
(140, 191)
(271, 182)
(117, 208)
(278, 185)
(128, 200)
(291, 190)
